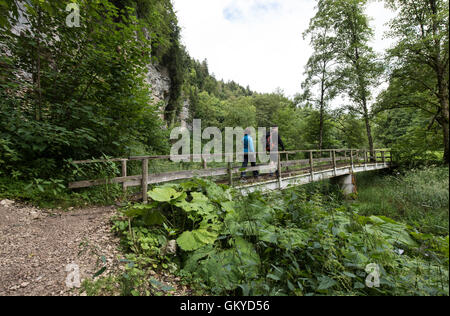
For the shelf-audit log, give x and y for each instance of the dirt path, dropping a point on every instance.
(37, 245)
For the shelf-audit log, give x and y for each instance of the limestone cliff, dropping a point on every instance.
(159, 79)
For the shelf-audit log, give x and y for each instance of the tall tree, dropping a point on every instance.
(357, 62)
(420, 62)
(75, 92)
(360, 69)
(322, 79)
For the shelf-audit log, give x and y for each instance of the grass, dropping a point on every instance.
(419, 197)
(50, 196)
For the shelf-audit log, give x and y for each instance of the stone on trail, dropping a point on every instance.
(6, 202)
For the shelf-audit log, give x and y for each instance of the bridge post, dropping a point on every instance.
(279, 171)
(311, 165)
(351, 161)
(124, 174)
(230, 174)
(333, 154)
(376, 158)
(347, 183)
(287, 160)
(366, 159)
(144, 180)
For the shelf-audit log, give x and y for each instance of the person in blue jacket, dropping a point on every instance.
(249, 149)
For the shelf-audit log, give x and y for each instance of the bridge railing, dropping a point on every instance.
(289, 163)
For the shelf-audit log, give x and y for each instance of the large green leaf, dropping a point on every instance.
(326, 283)
(199, 206)
(154, 217)
(218, 194)
(165, 194)
(289, 238)
(194, 257)
(198, 196)
(393, 232)
(196, 239)
(228, 206)
(225, 267)
(138, 210)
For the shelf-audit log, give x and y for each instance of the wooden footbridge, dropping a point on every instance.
(294, 168)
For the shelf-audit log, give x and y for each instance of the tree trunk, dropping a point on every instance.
(446, 141)
(38, 70)
(321, 117)
(362, 90)
(321, 127)
(369, 132)
(445, 126)
(441, 68)
(322, 105)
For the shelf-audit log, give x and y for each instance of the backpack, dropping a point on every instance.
(269, 144)
(246, 149)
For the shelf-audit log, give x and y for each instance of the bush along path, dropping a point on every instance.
(200, 238)
(43, 252)
(299, 242)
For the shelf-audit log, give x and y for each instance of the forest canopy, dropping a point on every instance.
(81, 92)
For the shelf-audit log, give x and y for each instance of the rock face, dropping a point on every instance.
(184, 115)
(157, 76)
(159, 79)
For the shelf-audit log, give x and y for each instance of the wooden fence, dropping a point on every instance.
(315, 159)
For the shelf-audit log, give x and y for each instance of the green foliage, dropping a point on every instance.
(350, 130)
(196, 239)
(419, 197)
(322, 77)
(85, 94)
(198, 79)
(419, 72)
(343, 62)
(8, 156)
(45, 193)
(304, 241)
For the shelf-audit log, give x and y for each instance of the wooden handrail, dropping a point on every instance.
(349, 158)
(224, 155)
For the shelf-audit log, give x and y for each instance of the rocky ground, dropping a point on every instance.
(41, 251)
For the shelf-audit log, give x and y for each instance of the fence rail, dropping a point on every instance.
(316, 160)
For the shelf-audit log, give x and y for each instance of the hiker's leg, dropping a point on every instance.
(244, 165)
(255, 172)
(253, 163)
(273, 159)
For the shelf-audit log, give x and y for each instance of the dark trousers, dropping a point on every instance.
(245, 164)
(274, 158)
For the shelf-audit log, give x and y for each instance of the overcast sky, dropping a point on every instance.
(258, 42)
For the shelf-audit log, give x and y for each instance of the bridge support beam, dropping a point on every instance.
(347, 183)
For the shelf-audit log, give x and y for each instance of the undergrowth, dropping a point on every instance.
(304, 241)
(53, 192)
(418, 197)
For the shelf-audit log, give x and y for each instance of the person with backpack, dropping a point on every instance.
(271, 144)
(249, 150)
